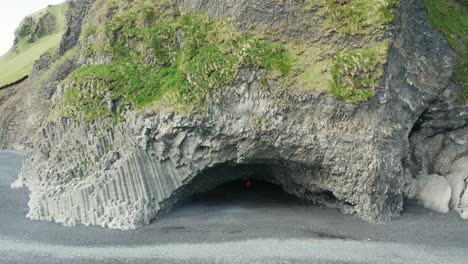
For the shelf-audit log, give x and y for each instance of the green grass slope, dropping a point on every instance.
(18, 62)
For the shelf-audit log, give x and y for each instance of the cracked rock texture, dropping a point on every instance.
(362, 159)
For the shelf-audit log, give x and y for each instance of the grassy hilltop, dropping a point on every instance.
(30, 44)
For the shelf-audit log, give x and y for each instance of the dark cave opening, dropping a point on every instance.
(237, 191)
(271, 184)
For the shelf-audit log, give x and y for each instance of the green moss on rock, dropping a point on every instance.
(355, 73)
(464, 93)
(362, 17)
(451, 17)
(189, 54)
(163, 57)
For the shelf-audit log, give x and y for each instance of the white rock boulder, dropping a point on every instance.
(457, 179)
(464, 206)
(435, 193)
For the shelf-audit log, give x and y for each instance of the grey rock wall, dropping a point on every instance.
(134, 170)
(367, 156)
(439, 146)
(78, 11)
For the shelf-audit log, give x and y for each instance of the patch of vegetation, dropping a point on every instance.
(156, 53)
(161, 57)
(89, 30)
(464, 94)
(361, 17)
(59, 11)
(311, 66)
(15, 66)
(19, 62)
(355, 73)
(100, 91)
(451, 17)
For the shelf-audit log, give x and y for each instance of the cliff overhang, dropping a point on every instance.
(151, 103)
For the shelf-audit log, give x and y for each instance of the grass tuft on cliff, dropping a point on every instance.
(188, 55)
(451, 17)
(18, 62)
(355, 73)
(362, 17)
(160, 57)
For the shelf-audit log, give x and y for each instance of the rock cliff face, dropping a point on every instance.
(361, 158)
(33, 30)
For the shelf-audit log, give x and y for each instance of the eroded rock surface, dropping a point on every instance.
(439, 143)
(361, 158)
(32, 29)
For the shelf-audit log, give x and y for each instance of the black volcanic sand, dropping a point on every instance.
(229, 213)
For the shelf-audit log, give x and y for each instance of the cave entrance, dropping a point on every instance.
(247, 193)
(270, 183)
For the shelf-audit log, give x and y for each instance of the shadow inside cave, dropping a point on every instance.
(260, 193)
(224, 186)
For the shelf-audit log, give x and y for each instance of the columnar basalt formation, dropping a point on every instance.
(369, 155)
